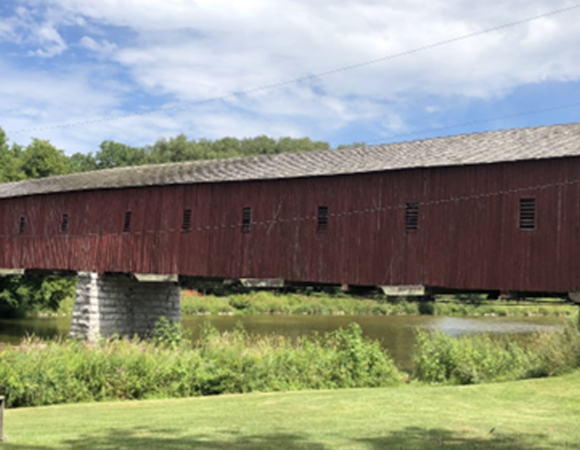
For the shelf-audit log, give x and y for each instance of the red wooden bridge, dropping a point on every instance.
(495, 211)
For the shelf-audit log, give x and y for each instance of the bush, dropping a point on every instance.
(440, 358)
(44, 373)
(166, 334)
(426, 308)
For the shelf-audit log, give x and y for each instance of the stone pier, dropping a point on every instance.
(107, 305)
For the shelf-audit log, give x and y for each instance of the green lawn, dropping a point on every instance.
(525, 415)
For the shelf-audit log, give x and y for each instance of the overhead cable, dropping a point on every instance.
(315, 76)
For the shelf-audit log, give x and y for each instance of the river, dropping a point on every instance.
(396, 333)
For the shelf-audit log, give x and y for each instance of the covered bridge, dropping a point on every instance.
(493, 211)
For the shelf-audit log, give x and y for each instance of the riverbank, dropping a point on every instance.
(269, 302)
(170, 365)
(526, 415)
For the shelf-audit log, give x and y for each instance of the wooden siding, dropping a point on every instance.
(468, 234)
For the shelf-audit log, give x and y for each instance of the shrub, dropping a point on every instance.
(440, 358)
(44, 373)
(166, 334)
(426, 308)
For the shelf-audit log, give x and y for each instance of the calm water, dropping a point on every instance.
(396, 333)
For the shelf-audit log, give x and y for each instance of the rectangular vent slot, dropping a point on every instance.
(127, 222)
(64, 223)
(527, 213)
(412, 216)
(186, 224)
(246, 219)
(322, 224)
(22, 225)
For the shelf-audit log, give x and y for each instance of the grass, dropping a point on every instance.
(267, 302)
(531, 415)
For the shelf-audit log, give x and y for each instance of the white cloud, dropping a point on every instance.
(6, 29)
(193, 49)
(50, 40)
(103, 47)
(185, 51)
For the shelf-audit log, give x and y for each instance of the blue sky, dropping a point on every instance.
(77, 72)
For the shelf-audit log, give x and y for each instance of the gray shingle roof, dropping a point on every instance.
(480, 148)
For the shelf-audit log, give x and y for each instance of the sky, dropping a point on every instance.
(78, 72)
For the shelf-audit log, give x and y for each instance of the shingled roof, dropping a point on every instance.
(555, 141)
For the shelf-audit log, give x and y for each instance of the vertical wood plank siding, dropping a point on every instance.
(468, 234)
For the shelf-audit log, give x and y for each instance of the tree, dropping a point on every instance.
(114, 154)
(175, 149)
(353, 145)
(10, 160)
(20, 295)
(81, 162)
(259, 145)
(41, 159)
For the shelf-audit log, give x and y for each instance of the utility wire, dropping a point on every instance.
(472, 122)
(299, 79)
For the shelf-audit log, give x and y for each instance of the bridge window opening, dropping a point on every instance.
(322, 224)
(64, 223)
(127, 222)
(412, 216)
(186, 224)
(527, 213)
(22, 225)
(246, 219)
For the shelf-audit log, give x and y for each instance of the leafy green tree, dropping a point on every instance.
(41, 159)
(175, 149)
(227, 147)
(81, 162)
(20, 295)
(114, 154)
(353, 145)
(260, 145)
(10, 160)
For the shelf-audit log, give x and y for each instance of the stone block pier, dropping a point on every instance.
(119, 304)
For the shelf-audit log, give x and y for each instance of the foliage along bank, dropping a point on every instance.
(271, 302)
(45, 373)
(168, 366)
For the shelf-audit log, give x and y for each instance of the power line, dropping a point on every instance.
(299, 79)
(475, 122)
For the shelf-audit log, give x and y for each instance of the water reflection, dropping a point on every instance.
(12, 331)
(457, 326)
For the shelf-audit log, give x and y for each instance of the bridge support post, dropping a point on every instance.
(575, 298)
(107, 305)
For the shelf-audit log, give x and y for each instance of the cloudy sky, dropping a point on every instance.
(77, 72)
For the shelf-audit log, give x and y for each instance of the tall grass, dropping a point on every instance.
(480, 358)
(44, 373)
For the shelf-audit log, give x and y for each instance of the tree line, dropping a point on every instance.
(42, 159)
